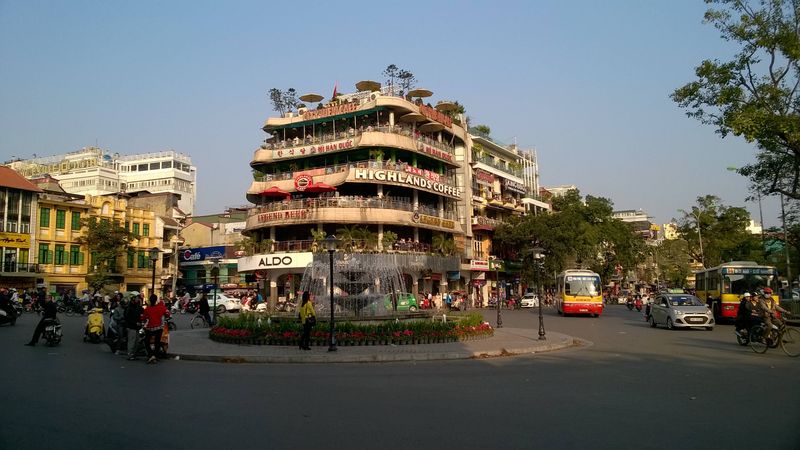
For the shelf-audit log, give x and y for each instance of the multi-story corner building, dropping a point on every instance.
(18, 200)
(94, 171)
(505, 182)
(381, 172)
(64, 262)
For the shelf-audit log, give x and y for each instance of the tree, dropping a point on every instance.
(106, 241)
(755, 94)
(283, 102)
(576, 234)
(723, 230)
(483, 130)
(407, 80)
(443, 243)
(391, 73)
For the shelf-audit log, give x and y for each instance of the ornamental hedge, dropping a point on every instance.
(250, 328)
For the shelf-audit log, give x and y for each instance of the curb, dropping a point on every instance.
(343, 357)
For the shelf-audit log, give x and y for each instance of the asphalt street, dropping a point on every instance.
(633, 387)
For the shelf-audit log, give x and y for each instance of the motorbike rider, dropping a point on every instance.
(766, 308)
(744, 316)
(204, 308)
(48, 316)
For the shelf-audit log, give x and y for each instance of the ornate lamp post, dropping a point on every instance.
(538, 257)
(330, 245)
(497, 283)
(153, 259)
(215, 270)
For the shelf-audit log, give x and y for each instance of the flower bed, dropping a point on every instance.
(254, 330)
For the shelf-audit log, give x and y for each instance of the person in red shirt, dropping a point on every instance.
(153, 327)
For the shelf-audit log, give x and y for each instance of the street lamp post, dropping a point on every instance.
(330, 245)
(537, 256)
(215, 270)
(785, 244)
(153, 259)
(497, 285)
(699, 235)
(178, 241)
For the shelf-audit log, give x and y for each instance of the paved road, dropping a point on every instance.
(635, 387)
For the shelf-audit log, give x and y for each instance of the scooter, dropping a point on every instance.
(629, 304)
(638, 304)
(95, 328)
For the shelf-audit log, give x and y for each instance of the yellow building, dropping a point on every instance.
(65, 264)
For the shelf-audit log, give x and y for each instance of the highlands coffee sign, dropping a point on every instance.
(408, 179)
(274, 261)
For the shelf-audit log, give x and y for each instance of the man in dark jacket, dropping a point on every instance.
(48, 316)
(133, 314)
(204, 308)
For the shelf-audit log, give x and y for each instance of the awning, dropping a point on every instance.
(320, 187)
(274, 191)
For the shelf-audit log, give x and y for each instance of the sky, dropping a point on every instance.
(585, 83)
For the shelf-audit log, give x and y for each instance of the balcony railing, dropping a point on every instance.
(354, 245)
(448, 177)
(16, 267)
(323, 138)
(397, 203)
(497, 165)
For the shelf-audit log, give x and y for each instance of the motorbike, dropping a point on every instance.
(95, 327)
(629, 304)
(171, 325)
(638, 305)
(52, 332)
(8, 316)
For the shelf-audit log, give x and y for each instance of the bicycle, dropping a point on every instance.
(787, 337)
(198, 321)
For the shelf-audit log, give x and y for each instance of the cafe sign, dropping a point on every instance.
(433, 114)
(330, 111)
(513, 186)
(433, 151)
(343, 144)
(432, 220)
(408, 179)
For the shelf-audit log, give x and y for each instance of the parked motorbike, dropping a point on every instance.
(52, 332)
(8, 316)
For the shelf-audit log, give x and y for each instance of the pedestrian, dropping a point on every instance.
(204, 308)
(153, 327)
(133, 314)
(308, 318)
(48, 316)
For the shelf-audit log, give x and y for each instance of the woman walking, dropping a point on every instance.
(308, 318)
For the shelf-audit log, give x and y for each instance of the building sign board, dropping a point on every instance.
(479, 265)
(275, 261)
(403, 178)
(201, 254)
(343, 144)
(17, 240)
(289, 214)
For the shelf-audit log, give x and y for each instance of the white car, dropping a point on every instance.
(680, 311)
(529, 300)
(224, 303)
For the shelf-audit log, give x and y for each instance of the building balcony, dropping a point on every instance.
(10, 268)
(398, 136)
(347, 210)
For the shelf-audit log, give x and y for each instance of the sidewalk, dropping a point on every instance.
(195, 345)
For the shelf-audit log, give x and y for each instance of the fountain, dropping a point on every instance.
(361, 283)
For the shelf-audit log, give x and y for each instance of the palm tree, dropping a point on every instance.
(443, 243)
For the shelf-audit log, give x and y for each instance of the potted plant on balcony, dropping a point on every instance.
(389, 238)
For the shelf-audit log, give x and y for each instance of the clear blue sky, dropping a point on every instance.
(586, 83)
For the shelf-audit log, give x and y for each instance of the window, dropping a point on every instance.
(61, 219)
(127, 226)
(44, 253)
(146, 229)
(135, 229)
(75, 223)
(44, 217)
(75, 255)
(142, 260)
(131, 255)
(60, 255)
(142, 167)
(166, 165)
(155, 166)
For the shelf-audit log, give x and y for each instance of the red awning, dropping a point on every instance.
(320, 187)
(274, 191)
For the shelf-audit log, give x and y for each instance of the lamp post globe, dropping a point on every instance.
(330, 246)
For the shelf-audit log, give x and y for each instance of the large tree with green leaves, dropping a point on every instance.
(722, 230)
(754, 95)
(283, 101)
(108, 243)
(577, 234)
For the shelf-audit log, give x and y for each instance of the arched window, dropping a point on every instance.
(106, 209)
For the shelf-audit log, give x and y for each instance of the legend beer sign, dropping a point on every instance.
(289, 214)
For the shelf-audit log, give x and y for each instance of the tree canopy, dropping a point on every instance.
(577, 234)
(106, 241)
(283, 101)
(754, 95)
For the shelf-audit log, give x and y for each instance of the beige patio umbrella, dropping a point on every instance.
(431, 126)
(311, 97)
(446, 105)
(368, 85)
(412, 117)
(420, 93)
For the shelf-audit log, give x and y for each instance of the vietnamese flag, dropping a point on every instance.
(335, 85)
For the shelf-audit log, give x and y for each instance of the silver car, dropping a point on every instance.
(680, 311)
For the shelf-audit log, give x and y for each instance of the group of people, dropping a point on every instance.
(760, 307)
(128, 317)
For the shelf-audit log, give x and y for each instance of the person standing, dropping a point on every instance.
(204, 308)
(308, 318)
(48, 316)
(133, 314)
(153, 327)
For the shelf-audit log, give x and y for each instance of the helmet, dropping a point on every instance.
(746, 294)
(767, 291)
